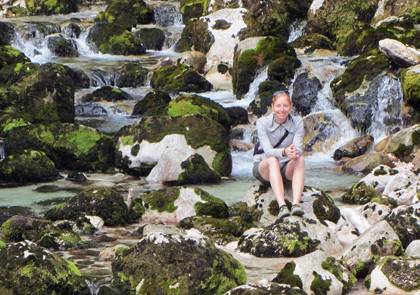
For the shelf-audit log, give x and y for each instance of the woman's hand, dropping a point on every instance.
(291, 152)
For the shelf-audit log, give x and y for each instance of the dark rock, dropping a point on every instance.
(313, 41)
(61, 46)
(7, 212)
(151, 38)
(305, 91)
(195, 35)
(107, 93)
(193, 9)
(221, 24)
(404, 220)
(360, 193)
(131, 75)
(72, 30)
(80, 79)
(237, 115)
(77, 177)
(154, 103)
(7, 33)
(195, 171)
(354, 148)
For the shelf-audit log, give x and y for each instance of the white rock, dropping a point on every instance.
(96, 221)
(413, 249)
(399, 53)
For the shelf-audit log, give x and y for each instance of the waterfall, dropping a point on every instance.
(296, 30)
(167, 15)
(253, 88)
(386, 116)
(36, 49)
(2, 149)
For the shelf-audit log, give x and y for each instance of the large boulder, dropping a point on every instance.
(11, 56)
(166, 142)
(305, 91)
(317, 273)
(399, 53)
(6, 33)
(378, 240)
(70, 146)
(51, 7)
(104, 202)
(410, 81)
(405, 221)
(153, 104)
(164, 263)
(61, 46)
(395, 275)
(173, 204)
(131, 75)
(152, 38)
(195, 35)
(29, 269)
(365, 163)
(177, 78)
(27, 167)
(7, 212)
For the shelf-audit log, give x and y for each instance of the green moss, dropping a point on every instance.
(162, 200)
(332, 265)
(286, 276)
(14, 123)
(222, 163)
(410, 83)
(81, 141)
(195, 170)
(313, 41)
(183, 107)
(319, 285)
(2, 244)
(72, 268)
(210, 205)
(325, 208)
(360, 193)
(69, 239)
(403, 273)
(185, 4)
(273, 208)
(127, 140)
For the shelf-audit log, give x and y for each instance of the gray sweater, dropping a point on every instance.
(270, 132)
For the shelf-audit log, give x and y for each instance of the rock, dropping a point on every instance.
(265, 288)
(402, 187)
(174, 257)
(195, 36)
(410, 80)
(72, 30)
(238, 145)
(322, 130)
(252, 54)
(107, 93)
(77, 177)
(152, 38)
(186, 105)
(108, 254)
(379, 240)
(413, 249)
(273, 18)
(11, 56)
(195, 59)
(27, 167)
(106, 203)
(6, 32)
(48, 8)
(375, 211)
(166, 15)
(193, 9)
(392, 9)
(47, 272)
(365, 163)
(179, 78)
(80, 79)
(7, 212)
(63, 47)
(354, 148)
(305, 91)
(196, 171)
(131, 75)
(96, 221)
(311, 42)
(70, 146)
(399, 53)
(394, 275)
(316, 273)
(166, 142)
(237, 115)
(404, 220)
(173, 204)
(360, 193)
(154, 103)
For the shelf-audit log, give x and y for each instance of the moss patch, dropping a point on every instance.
(359, 193)
(410, 83)
(286, 276)
(161, 200)
(320, 285)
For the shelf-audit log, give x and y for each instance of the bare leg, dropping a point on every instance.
(295, 171)
(270, 170)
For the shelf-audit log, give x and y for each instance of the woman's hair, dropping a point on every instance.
(279, 93)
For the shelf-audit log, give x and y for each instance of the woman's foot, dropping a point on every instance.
(297, 210)
(283, 212)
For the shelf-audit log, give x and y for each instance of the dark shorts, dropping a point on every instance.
(258, 176)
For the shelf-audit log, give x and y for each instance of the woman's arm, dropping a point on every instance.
(299, 134)
(265, 143)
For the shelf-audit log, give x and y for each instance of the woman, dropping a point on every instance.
(281, 159)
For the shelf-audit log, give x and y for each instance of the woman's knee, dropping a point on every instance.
(273, 162)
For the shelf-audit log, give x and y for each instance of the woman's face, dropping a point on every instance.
(281, 107)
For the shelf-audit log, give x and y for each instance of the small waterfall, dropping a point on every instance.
(167, 15)
(36, 49)
(296, 30)
(83, 46)
(386, 117)
(2, 149)
(101, 78)
(93, 288)
(253, 88)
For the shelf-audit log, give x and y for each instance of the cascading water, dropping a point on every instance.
(166, 15)
(296, 30)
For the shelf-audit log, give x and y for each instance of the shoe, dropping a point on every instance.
(297, 210)
(283, 212)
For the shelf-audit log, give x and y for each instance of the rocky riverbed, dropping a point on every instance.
(126, 137)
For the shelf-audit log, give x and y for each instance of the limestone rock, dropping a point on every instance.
(399, 53)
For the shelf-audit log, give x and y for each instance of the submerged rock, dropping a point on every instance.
(163, 263)
(29, 269)
(316, 273)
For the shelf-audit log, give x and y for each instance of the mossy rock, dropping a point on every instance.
(193, 9)
(324, 208)
(404, 221)
(313, 41)
(365, 67)
(401, 272)
(337, 269)
(45, 93)
(264, 99)
(70, 146)
(50, 7)
(125, 43)
(29, 269)
(165, 267)
(210, 205)
(185, 105)
(10, 56)
(338, 20)
(152, 38)
(106, 203)
(6, 34)
(410, 84)
(273, 18)
(196, 35)
(131, 75)
(13, 73)
(177, 78)
(198, 131)
(153, 104)
(107, 93)
(27, 167)
(282, 69)
(283, 239)
(7, 212)
(360, 193)
(246, 63)
(196, 171)
(61, 46)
